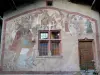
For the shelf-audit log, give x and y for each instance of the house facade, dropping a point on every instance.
(50, 39)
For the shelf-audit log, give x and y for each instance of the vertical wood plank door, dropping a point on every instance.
(86, 55)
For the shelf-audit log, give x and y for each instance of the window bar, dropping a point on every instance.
(60, 48)
(55, 48)
(49, 51)
(60, 44)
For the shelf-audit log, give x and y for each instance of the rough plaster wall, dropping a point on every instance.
(21, 9)
(69, 60)
(67, 6)
(83, 9)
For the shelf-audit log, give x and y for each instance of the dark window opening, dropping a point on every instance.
(43, 51)
(49, 3)
(55, 34)
(55, 48)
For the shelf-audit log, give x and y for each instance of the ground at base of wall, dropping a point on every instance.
(82, 72)
(53, 74)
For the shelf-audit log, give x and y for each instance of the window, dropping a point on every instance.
(49, 42)
(44, 35)
(49, 2)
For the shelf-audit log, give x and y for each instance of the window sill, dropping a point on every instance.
(49, 56)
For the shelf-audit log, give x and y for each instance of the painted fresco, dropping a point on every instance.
(22, 35)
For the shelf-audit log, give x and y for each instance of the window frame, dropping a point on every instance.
(49, 40)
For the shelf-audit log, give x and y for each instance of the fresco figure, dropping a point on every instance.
(88, 27)
(81, 25)
(23, 43)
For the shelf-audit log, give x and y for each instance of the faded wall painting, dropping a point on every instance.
(21, 36)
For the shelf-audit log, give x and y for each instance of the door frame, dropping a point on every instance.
(93, 50)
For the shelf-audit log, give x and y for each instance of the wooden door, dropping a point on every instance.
(86, 55)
